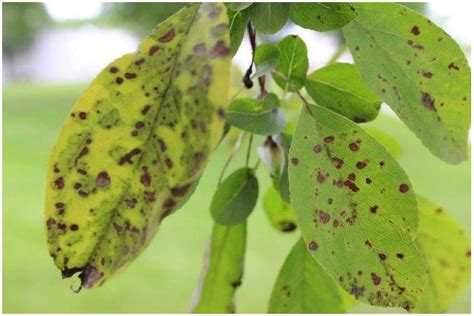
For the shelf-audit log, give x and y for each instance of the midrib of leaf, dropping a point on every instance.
(321, 4)
(152, 130)
(349, 196)
(340, 89)
(390, 57)
(291, 64)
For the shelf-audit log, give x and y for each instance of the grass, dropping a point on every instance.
(162, 279)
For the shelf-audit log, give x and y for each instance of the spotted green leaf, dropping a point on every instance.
(339, 87)
(235, 197)
(448, 252)
(263, 117)
(266, 59)
(269, 17)
(303, 287)
(417, 69)
(237, 24)
(356, 209)
(222, 270)
(135, 143)
(290, 73)
(279, 213)
(321, 16)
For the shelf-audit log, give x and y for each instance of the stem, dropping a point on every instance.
(337, 54)
(249, 149)
(231, 156)
(253, 43)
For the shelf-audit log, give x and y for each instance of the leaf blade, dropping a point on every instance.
(320, 16)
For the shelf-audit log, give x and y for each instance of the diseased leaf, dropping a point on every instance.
(356, 209)
(304, 287)
(448, 252)
(269, 17)
(262, 117)
(272, 155)
(290, 73)
(417, 69)
(266, 59)
(136, 142)
(339, 87)
(222, 270)
(237, 24)
(235, 197)
(279, 213)
(321, 16)
(386, 140)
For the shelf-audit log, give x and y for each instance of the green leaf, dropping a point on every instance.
(356, 209)
(266, 59)
(339, 87)
(303, 287)
(263, 117)
(321, 16)
(269, 18)
(134, 144)
(386, 140)
(222, 270)
(284, 139)
(417, 69)
(235, 198)
(292, 66)
(237, 6)
(448, 252)
(279, 213)
(237, 24)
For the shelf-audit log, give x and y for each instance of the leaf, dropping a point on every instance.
(283, 184)
(417, 69)
(272, 155)
(237, 6)
(266, 59)
(279, 213)
(135, 143)
(290, 73)
(269, 18)
(237, 24)
(303, 287)
(448, 252)
(222, 270)
(386, 140)
(262, 117)
(356, 209)
(321, 16)
(235, 198)
(339, 87)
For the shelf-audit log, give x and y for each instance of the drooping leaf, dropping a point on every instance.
(386, 140)
(290, 73)
(135, 143)
(339, 87)
(272, 155)
(321, 16)
(235, 197)
(263, 117)
(237, 6)
(222, 270)
(237, 24)
(356, 209)
(279, 213)
(284, 139)
(269, 17)
(417, 69)
(303, 287)
(448, 252)
(266, 58)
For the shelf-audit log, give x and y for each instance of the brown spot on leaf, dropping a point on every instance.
(328, 139)
(128, 157)
(140, 61)
(180, 191)
(403, 188)
(118, 80)
(382, 256)
(113, 70)
(130, 75)
(167, 37)
(82, 115)
(354, 146)
(453, 66)
(373, 209)
(153, 50)
(294, 161)
(317, 149)
(145, 178)
(103, 179)
(59, 183)
(400, 255)
(324, 217)
(427, 74)
(50, 222)
(219, 50)
(74, 227)
(361, 165)
(415, 30)
(427, 100)
(313, 246)
(375, 278)
(199, 48)
(169, 203)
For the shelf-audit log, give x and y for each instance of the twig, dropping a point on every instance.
(249, 149)
(231, 156)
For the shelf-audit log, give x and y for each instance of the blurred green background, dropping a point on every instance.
(163, 278)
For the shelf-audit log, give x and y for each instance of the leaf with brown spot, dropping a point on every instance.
(391, 230)
(446, 248)
(148, 135)
(222, 270)
(423, 75)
